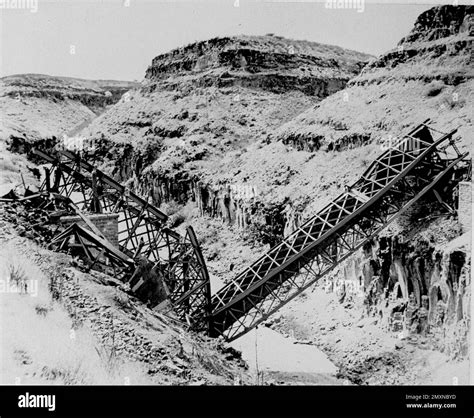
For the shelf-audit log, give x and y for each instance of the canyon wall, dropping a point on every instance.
(36, 107)
(237, 205)
(242, 128)
(413, 284)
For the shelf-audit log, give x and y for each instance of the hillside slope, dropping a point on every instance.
(209, 126)
(36, 106)
(64, 324)
(397, 311)
(203, 109)
(429, 74)
(214, 134)
(216, 97)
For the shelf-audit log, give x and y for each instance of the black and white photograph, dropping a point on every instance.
(236, 193)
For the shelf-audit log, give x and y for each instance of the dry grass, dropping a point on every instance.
(39, 343)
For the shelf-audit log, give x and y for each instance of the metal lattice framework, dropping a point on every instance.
(95, 248)
(193, 300)
(94, 191)
(141, 232)
(414, 166)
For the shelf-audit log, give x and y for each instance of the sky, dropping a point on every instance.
(117, 39)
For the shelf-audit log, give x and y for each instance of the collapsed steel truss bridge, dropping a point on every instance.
(417, 164)
(422, 161)
(147, 249)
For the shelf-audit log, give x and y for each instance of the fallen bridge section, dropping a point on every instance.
(141, 225)
(422, 163)
(146, 253)
(418, 164)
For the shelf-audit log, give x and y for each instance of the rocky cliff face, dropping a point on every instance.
(37, 107)
(441, 22)
(428, 74)
(418, 284)
(269, 63)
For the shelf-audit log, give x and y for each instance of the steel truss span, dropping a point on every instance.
(143, 234)
(414, 166)
(422, 162)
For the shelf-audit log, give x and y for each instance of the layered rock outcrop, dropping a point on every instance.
(414, 283)
(270, 63)
(428, 74)
(441, 22)
(37, 107)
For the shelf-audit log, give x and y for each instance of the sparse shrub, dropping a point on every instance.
(55, 286)
(339, 126)
(212, 254)
(242, 120)
(262, 233)
(18, 277)
(209, 235)
(41, 310)
(108, 350)
(434, 88)
(183, 115)
(73, 376)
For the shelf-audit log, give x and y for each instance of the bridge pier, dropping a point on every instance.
(465, 205)
(107, 223)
